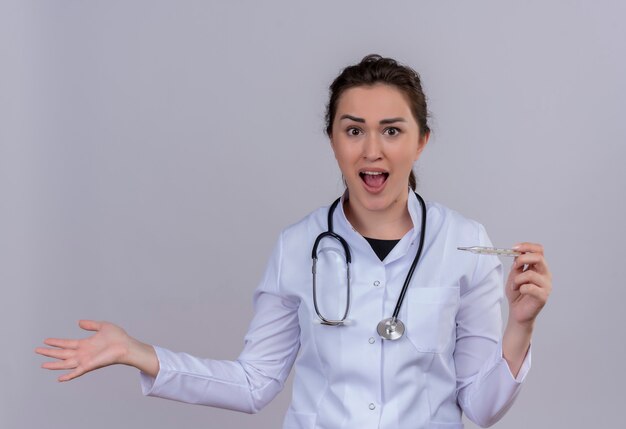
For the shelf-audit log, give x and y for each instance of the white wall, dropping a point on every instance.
(151, 151)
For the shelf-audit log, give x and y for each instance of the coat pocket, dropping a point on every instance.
(431, 317)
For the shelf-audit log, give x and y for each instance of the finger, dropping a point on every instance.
(90, 325)
(525, 247)
(530, 277)
(61, 364)
(64, 344)
(533, 277)
(534, 291)
(55, 353)
(534, 261)
(71, 375)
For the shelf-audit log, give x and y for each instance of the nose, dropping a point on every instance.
(372, 147)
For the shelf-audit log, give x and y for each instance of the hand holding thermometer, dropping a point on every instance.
(490, 251)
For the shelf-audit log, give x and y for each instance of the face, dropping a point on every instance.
(376, 140)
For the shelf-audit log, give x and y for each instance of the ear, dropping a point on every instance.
(423, 141)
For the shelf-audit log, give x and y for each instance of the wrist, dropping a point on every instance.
(523, 328)
(516, 343)
(141, 356)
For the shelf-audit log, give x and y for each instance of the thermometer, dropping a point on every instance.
(490, 251)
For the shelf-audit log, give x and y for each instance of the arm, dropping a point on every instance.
(528, 286)
(252, 380)
(490, 368)
(246, 384)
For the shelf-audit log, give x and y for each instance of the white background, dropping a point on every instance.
(151, 151)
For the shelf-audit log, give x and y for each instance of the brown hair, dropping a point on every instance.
(376, 69)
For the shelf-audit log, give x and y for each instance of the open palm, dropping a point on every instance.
(107, 346)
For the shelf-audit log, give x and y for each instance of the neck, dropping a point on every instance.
(391, 223)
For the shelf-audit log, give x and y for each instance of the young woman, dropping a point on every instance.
(395, 328)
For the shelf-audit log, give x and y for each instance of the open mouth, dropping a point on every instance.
(374, 179)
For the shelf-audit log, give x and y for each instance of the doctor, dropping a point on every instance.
(451, 359)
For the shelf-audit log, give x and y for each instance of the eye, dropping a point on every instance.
(392, 131)
(352, 131)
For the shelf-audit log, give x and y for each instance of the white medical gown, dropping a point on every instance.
(448, 362)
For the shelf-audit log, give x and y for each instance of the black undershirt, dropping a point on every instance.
(381, 247)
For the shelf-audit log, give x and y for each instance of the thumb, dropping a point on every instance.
(90, 325)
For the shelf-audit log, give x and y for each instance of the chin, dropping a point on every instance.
(377, 202)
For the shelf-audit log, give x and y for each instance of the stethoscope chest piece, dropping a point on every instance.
(390, 329)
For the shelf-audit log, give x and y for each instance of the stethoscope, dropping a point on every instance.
(391, 328)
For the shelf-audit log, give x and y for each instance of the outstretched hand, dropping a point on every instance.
(108, 346)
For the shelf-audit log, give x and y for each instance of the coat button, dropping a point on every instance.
(372, 340)
(372, 406)
(376, 283)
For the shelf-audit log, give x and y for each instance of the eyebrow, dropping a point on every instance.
(381, 122)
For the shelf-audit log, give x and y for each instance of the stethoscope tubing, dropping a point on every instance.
(391, 328)
(420, 247)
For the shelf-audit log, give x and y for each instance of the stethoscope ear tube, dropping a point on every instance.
(330, 233)
(337, 237)
(324, 320)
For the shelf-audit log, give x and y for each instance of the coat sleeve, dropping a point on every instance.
(486, 388)
(252, 380)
